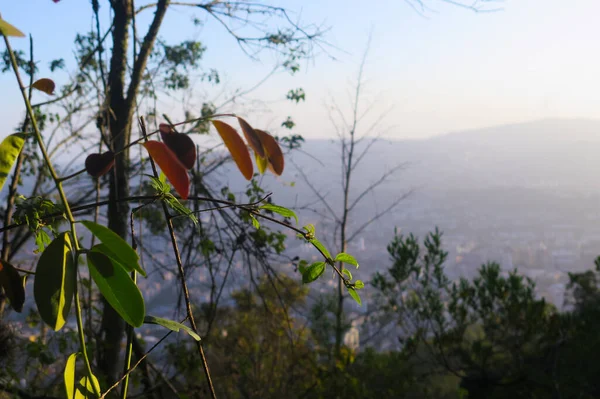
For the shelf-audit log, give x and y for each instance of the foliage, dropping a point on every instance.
(113, 264)
(257, 347)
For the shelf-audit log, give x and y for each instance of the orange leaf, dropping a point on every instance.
(252, 137)
(273, 152)
(181, 144)
(46, 85)
(170, 165)
(237, 148)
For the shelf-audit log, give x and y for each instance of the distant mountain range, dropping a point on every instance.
(547, 153)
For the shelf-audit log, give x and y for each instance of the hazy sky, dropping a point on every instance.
(450, 70)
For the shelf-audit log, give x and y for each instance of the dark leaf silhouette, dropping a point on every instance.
(99, 164)
(181, 144)
(12, 283)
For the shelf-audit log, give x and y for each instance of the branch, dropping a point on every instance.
(190, 314)
(315, 191)
(374, 185)
(142, 58)
(379, 215)
(478, 6)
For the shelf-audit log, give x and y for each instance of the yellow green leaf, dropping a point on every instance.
(69, 376)
(9, 151)
(85, 388)
(261, 163)
(171, 325)
(8, 30)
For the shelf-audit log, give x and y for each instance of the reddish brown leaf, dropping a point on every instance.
(170, 165)
(165, 129)
(272, 151)
(13, 285)
(252, 138)
(237, 148)
(46, 85)
(181, 144)
(99, 164)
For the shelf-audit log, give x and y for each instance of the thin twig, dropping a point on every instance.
(184, 287)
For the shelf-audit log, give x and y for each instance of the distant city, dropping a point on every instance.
(526, 196)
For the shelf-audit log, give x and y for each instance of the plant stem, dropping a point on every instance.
(61, 179)
(186, 294)
(62, 194)
(129, 330)
(128, 350)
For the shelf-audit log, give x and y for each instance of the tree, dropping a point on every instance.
(56, 281)
(356, 136)
(487, 332)
(122, 92)
(252, 354)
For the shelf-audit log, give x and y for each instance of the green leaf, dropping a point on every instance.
(12, 283)
(171, 325)
(104, 249)
(54, 282)
(8, 30)
(321, 247)
(302, 266)
(9, 151)
(255, 222)
(85, 387)
(310, 228)
(346, 258)
(117, 287)
(179, 207)
(114, 244)
(355, 295)
(359, 285)
(347, 273)
(280, 210)
(313, 272)
(160, 184)
(42, 240)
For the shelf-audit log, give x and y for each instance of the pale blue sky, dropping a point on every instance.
(452, 70)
